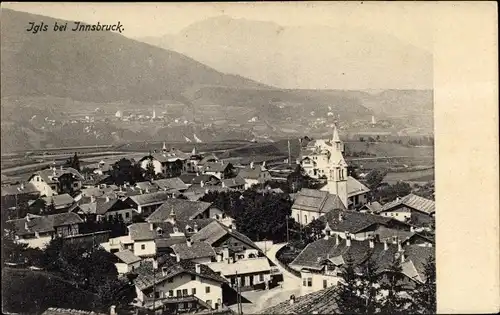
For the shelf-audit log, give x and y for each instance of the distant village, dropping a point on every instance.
(176, 232)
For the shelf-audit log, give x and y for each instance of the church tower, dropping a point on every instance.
(337, 169)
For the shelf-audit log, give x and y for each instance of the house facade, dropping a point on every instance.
(54, 181)
(310, 204)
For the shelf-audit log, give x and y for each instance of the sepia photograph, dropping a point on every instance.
(218, 158)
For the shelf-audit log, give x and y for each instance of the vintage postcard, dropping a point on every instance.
(249, 158)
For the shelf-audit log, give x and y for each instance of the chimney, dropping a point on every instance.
(386, 246)
(61, 168)
(327, 234)
(173, 216)
(140, 190)
(112, 310)
(155, 264)
(371, 242)
(177, 257)
(412, 229)
(195, 228)
(206, 191)
(230, 228)
(164, 271)
(219, 257)
(225, 252)
(223, 184)
(394, 239)
(107, 199)
(189, 242)
(230, 260)
(197, 268)
(251, 165)
(400, 248)
(348, 239)
(341, 217)
(292, 299)
(92, 199)
(402, 256)
(22, 186)
(202, 183)
(337, 240)
(26, 227)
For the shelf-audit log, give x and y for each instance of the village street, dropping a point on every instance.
(265, 298)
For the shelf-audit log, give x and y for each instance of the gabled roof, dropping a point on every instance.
(127, 257)
(352, 221)
(11, 190)
(147, 279)
(374, 206)
(413, 201)
(233, 182)
(418, 257)
(145, 199)
(196, 250)
(48, 174)
(206, 179)
(147, 186)
(316, 201)
(169, 156)
(251, 173)
(243, 266)
(171, 184)
(216, 230)
(207, 159)
(68, 311)
(354, 187)
(141, 232)
(215, 166)
(184, 210)
(42, 224)
(59, 200)
(319, 302)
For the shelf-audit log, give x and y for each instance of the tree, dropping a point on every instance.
(374, 178)
(424, 296)
(314, 230)
(75, 162)
(150, 172)
(351, 290)
(394, 302)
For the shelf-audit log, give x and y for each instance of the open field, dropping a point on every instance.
(416, 176)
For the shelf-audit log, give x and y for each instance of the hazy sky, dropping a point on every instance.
(409, 21)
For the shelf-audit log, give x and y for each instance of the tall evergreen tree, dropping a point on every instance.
(75, 163)
(424, 296)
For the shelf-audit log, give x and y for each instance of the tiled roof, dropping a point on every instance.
(48, 174)
(171, 184)
(319, 302)
(215, 166)
(141, 232)
(233, 182)
(127, 257)
(208, 159)
(354, 187)
(195, 192)
(147, 186)
(418, 256)
(184, 210)
(196, 250)
(250, 173)
(374, 206)
(68, 311)
(352, 221)
(146, 280)
(412, 201)
(145, 199)
(316, 201)
(11, 190)
(59, 200)
(43, 224)
(216, 230)
(95, 179)
(243, 266)
(169, 156)
(206, 179)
